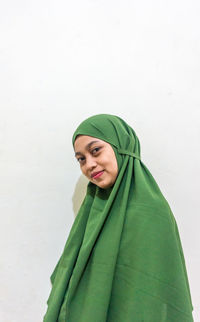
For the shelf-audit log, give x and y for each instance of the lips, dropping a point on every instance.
(96, 174)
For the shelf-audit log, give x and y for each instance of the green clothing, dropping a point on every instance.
(123, 260)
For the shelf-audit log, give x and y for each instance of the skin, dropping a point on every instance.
(96, 155)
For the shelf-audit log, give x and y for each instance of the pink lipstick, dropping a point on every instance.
(97, 175)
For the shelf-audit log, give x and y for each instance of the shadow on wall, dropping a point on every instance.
(79, 193)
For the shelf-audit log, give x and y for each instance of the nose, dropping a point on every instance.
(90, 163)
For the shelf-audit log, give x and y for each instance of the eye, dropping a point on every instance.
(80, 160)
(95, 150)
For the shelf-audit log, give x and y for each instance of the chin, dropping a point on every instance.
(105, 186)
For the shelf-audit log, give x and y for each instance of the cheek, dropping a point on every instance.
(112, 163)
(83, 170)
(115, 170)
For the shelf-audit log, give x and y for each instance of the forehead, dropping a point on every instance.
(82, 142)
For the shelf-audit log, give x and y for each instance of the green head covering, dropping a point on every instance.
(113, 130)
(123, 260)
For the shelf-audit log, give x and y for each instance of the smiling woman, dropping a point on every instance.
(97, 160)
(123, 260)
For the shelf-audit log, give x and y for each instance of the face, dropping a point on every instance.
(97, 160)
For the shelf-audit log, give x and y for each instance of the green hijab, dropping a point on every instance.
(123, 260)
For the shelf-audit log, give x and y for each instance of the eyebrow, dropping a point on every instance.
(87, 147)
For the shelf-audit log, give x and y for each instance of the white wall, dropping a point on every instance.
(60, 62)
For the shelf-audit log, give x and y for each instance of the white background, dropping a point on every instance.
(60, 62)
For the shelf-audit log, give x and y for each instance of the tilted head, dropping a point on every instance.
(100, 144)
(97, 160)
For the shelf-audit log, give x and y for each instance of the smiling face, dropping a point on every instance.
(97, 160)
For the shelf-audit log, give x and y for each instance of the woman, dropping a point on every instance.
(123, 260)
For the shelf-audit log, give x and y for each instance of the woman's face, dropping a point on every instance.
(97, 160)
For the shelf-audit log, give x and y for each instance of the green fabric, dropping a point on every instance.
(123, 260)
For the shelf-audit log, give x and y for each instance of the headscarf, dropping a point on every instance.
(123, 260)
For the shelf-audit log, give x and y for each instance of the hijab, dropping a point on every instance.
(123, 260)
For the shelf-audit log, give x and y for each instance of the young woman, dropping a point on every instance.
(123, 260)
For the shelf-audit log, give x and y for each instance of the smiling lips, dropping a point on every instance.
(96, 175)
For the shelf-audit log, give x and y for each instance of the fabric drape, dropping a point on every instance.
(123, 260)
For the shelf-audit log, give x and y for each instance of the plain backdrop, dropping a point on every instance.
(61, 62)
